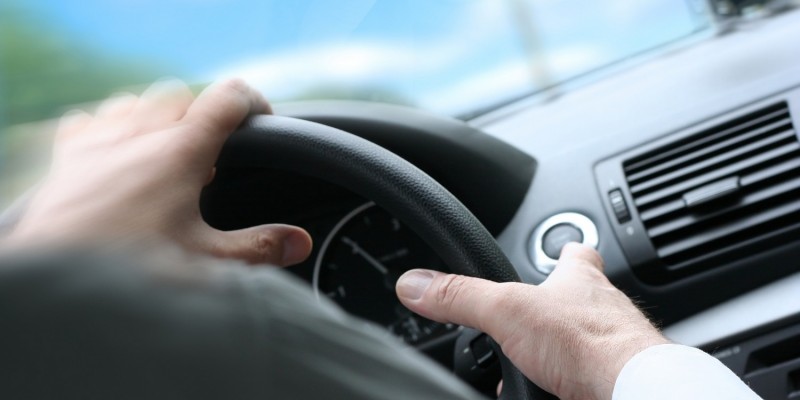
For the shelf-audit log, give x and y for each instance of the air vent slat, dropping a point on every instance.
(776, 170)
(782, 124)
(776, 236)
(662, 210)
(713, 161)
(713, 175)
(657, 157)
(696, 221)
(729, 229)
(741, 179)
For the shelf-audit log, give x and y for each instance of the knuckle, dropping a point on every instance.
(595, 258)
(587, 255)
(121, 98)
(449, 290)
(267, 248)
(584, 251)
(236, 85)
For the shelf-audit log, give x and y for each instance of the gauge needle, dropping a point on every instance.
(370, 259)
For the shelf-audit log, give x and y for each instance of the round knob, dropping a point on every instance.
(553, 233)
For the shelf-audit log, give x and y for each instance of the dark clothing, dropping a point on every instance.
(170, 326)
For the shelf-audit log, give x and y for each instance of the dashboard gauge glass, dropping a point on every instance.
(359, 264)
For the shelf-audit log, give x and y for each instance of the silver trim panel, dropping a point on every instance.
(542, 261)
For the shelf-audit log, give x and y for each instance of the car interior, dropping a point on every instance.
(687, 185)
(682, 168)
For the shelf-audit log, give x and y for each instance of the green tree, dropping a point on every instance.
(44, 68)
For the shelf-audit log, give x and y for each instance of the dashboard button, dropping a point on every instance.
(556, 237)
(619, 206)
(554, 232)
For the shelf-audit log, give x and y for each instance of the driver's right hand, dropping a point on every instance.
(571, 335)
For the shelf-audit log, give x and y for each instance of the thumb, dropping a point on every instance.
(275, 244)
(458, 299)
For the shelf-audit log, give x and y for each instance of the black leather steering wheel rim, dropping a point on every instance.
(399, 187)
(375, 173)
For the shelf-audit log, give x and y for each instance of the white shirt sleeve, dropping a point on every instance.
(672, 371)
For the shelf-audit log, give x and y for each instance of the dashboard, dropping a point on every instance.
(687, 167)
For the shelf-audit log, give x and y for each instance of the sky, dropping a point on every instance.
(444, 55)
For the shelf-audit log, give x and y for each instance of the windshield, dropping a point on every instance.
(447, 56)
(454, 57)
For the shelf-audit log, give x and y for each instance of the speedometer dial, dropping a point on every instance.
(360, 262)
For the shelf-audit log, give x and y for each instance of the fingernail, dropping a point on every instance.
(412, 284)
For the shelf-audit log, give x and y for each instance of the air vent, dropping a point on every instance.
(722, 192)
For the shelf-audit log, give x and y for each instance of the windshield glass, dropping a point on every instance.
(455, 57)
(448, 56)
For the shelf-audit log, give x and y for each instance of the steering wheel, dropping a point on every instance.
(373, 172)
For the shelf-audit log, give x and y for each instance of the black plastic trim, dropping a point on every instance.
(488, 175)
(632, 234)
(767, 359)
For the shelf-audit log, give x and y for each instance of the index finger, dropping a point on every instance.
(223, 106)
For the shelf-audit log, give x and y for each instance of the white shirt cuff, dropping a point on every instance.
(673, 371)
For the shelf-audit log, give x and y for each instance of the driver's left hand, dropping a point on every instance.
(136, 169)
